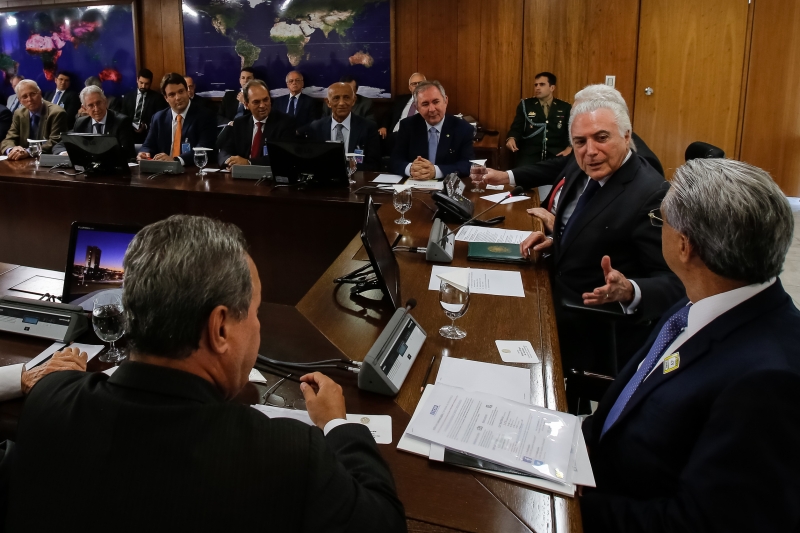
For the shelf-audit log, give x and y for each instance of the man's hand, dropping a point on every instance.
(82, 112)
(566, 151)
(163, 157)
(548, 218)
(17, 153)
(236, 160)
(382, 132)
(511, 143)
(422, 169)
(616, 289)
(240, 97)
(66, 359)
(143, 155)
(537, 241)
(496, 177)
(324, 399)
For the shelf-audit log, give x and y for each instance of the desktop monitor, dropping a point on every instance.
(96, 153)
(94, 258)
(381, 256)
(323, 160)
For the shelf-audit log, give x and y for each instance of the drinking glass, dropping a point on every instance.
(476, 172)
(35, 149)
(201, 159)
(455, 303)
(351, 168)
(402, 202)
(108, 321)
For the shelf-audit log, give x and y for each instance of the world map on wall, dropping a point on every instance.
(86, 41)
(323, 39)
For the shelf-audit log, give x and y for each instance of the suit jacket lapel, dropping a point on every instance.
(445, 139)
(355, 134)
(25, 128)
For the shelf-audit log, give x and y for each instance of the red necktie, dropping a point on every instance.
(258, 142)
(554, 194)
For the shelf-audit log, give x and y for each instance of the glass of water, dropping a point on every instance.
(455, 303)
(402, 202)
(476, 174)
(35, 149)
(351, 167)
(201, 159)
(108, 321)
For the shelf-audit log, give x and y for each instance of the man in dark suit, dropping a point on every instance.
(363, 106)
(5, 121)
(603, 249)
(178, 125)
(244, 142)
(432, 144)
(403, 107)
(13, 102)
(64, 97)
(233, 105)
(357, 133)
(101, 120)
(165, 437)
(704, 416)
(196, 98)
(305, 109)
(142, 104)
(37, 119)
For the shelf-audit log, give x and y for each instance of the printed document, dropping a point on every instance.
(478, 234)
(483, 281)
(509, 382)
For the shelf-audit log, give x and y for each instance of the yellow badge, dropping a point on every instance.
(532, 113)
(672, 362)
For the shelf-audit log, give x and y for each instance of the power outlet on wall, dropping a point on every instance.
(611, 81)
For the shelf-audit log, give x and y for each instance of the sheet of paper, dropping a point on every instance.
(256, 376)
(516, 352)
(500, 195)
(482, 281)
(91, 349)
(46, 353)
(379, 425)
(388, 178)
(478, 161)
(436, 453)
(109, 371)
(3, 157)
(481, 234)
(530, 439)
(210, 170)
(133, 164)
(458, 278)
(509, 382)
(426, 184)
(40, 285)
(490, 187)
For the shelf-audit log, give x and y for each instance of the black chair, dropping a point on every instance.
(701, 150)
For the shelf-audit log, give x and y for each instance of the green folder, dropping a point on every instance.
(495, 251)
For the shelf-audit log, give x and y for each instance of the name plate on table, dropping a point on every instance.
(50, 160)
(251, 172)
(147, 166)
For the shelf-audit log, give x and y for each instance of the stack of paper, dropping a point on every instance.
(483, 412)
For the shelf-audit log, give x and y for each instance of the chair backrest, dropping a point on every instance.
(701, 150)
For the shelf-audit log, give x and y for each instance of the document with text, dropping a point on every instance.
(483, 281)
(479, 234)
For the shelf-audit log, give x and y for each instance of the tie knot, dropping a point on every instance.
(680, 319)
(179, 118)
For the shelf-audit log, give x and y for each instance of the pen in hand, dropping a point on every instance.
(427, 374)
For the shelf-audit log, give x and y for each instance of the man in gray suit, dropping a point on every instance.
(35, 119)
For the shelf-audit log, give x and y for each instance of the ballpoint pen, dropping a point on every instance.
(427, 374)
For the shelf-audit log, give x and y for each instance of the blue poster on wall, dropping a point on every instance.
(85, 41)
(323, 39)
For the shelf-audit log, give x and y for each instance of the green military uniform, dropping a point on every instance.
(540, 136)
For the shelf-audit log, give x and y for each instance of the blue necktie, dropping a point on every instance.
(239, 110)
(672, 328)
(34, 126)
(14, 104)
(57, 98)
(433, 143)
(293, 105)
(588, 193)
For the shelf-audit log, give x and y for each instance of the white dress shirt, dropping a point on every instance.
(103, 122)
(183, 127)
(345, 132)
(139, 96)
(10, 382)
(707, 310)
(404, 114)
(439, 174)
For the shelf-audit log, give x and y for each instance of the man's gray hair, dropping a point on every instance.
(600, 91)
(91, 89)
(734, 215)
(176, 272)
(23, 83)
(246, 88)
(424, 85)
(93, 80)
(588, 106)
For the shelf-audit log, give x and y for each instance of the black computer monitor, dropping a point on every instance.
(323, 161)
(381, 256)
(96, 153)
(94, 258)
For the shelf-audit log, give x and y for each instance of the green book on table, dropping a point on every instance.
(497, 252)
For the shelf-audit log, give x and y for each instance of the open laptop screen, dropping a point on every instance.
(94, 259)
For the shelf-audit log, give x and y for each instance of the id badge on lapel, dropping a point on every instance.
(672, 362)
(186, 147)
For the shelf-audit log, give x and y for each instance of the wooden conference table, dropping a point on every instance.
(327, 322)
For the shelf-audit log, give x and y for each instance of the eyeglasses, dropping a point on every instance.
(414, 83)
(295, 80)
(655, 218)
(276, 400)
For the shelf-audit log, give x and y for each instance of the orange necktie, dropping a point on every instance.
(176, 139)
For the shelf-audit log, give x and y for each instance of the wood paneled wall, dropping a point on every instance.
(771, 134)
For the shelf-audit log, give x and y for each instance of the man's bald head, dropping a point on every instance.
(415, 80)
(341, 98)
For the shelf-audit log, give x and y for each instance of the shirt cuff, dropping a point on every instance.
(181, 160)
(439, 174)
(11, 382)
(335, 423)
(511, 178)
(630, 308)
(408, 170)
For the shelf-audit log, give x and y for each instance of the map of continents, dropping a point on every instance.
(324, 39)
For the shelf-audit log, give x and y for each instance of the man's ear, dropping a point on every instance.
(216, 332)
(686, 252)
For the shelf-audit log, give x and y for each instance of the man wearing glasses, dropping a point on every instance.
(602, 245)
(302, 107)
(161, 436)
(404, 106)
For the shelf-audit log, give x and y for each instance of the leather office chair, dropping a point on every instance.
(701, 150)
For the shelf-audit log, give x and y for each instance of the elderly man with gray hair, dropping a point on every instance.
(35, 119)
(101, 120)
(603, 249)
(163, 432)
(704, 415)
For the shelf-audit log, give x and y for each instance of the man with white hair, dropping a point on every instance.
(704, 415)
(102, 121)
(603, 249)
(35, 119)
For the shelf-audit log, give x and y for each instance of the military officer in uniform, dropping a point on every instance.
(540, 127)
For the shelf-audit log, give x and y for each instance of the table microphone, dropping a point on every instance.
(518, 190)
